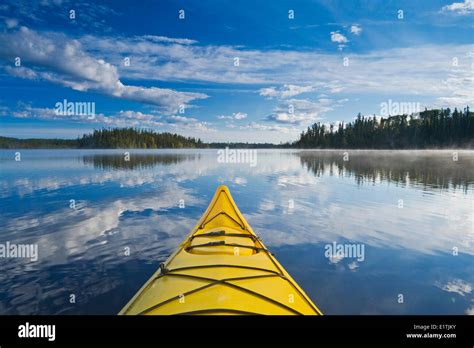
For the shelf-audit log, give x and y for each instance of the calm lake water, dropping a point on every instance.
(413, 213)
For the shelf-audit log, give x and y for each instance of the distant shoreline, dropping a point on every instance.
(442, 129)
(250, 147)
(59, 144)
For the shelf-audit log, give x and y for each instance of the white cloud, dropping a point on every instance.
(126, 118)
(303, 111)
(165, 39)
(137, 115)
(183, 122)
(470, 311)
(356, 29)
(458, 286)
(240, 115)
(284, 117)
(340, 39)
(123, 118)
(286, 91)
(462, 91)
(56, 58)
(266, 127)
(24, 73)
(181, 119)
(462, 8)
(294, 111)
(234, 116)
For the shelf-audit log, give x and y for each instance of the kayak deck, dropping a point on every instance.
(221, 267)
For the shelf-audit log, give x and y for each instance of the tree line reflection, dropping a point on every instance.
(134, 161)
(431, 169)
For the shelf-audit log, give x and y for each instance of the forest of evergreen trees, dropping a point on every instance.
(127, 138)
(431, 129)
(14, 143)
(115, 138)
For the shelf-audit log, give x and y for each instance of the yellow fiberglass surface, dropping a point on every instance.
(222, 267)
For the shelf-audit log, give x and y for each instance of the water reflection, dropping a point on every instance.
(442, 169)
(135, 205)
(134, 161)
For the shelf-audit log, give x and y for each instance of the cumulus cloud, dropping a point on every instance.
(24, 73)
(181, 119)
(266, 127)
(339, 38)
(55, 58)
(462, 8)
(284, 117)
(183, 122)
(122, 118)
(234, 116)
(458, 286)
(240, 115)
(286, 91)
(303, 111)
(356, 29)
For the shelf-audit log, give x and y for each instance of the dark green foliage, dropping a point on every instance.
(432, 129)
(116, 138)
(247, 145)
(130, 138)
(13, 143)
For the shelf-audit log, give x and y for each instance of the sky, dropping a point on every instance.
(237, 71)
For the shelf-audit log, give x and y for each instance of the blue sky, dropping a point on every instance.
(256, 71)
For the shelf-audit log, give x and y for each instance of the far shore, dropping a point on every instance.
(250, 147)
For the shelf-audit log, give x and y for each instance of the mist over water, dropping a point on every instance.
(413, 211)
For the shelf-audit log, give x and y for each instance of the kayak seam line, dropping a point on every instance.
(223, 282)
(232, 204)
(216, 282)
(281, 275)
(203, 311)
(211, 281)
(226, 265)
(151, 280)
(241, 225)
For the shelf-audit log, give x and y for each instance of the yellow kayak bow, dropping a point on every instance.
(222, 267)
